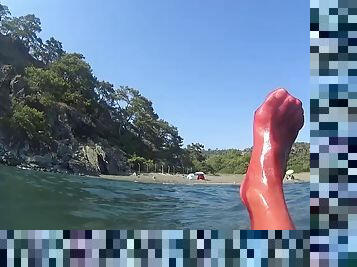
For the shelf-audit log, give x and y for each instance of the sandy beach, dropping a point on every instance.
(221, 179)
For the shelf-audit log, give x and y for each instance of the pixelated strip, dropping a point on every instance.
(333, 195)
(154, 248)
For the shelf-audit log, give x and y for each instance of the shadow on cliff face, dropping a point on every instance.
(102, 165)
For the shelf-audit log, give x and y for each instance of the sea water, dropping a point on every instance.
(38, 200)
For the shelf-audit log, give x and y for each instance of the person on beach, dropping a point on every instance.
(276, 125)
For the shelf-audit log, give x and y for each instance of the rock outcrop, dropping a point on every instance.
(78, 143)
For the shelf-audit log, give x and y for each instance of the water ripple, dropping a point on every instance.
(35, 200)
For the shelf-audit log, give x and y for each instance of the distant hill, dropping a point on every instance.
(237, 160)
(212, 152)
(299, 158)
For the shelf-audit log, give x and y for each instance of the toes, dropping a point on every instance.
(297, 122)
(272, 101)
(292, 112)
(300, 118)
(276, 97)
(298, 102)
(296, 116)
(280, 92)
(288, 104)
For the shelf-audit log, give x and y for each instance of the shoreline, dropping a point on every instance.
(221, 179)
(174, 179)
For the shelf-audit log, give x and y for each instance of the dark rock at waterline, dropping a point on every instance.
(92, 159)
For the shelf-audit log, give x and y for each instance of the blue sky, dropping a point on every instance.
(206, 65)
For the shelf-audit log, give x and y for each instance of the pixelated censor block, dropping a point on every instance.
(154, 248)
(333, 196)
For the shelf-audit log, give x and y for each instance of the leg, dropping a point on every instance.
(276, 125)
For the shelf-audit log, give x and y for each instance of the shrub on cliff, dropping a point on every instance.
(28, 119)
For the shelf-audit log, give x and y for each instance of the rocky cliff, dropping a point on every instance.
(78, 142)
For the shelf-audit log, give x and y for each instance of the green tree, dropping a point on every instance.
(69, 80)
(216, 162)
(198, 159)
(48, 52)
(136, 114)
(168, 142)
(24, 28)
(28, 119)
(4, 12)
(196, 152)
(136, 109)
(135, 161)
(105, 92)
(229, 161)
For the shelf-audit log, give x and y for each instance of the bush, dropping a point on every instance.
(30, 120)
(299, 158)
(68, 79)
(231, 161)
